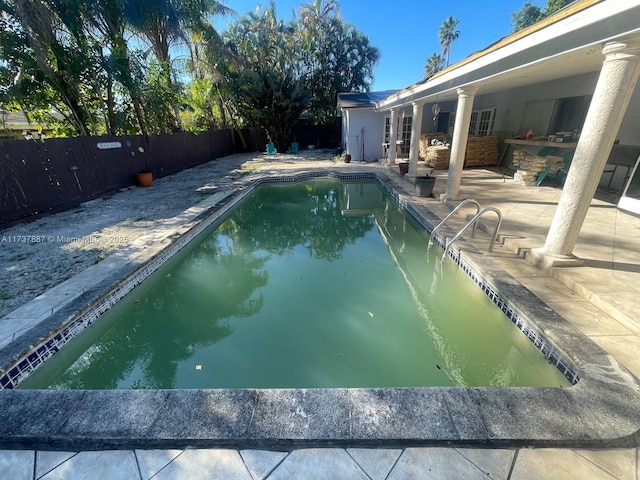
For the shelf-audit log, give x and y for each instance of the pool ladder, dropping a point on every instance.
(474, 221)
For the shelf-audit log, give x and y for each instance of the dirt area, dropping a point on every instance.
(39, 254)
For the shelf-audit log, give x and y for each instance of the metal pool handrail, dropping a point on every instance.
(458, 207)
(473, 222)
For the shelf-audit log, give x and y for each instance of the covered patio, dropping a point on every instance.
(587, 37)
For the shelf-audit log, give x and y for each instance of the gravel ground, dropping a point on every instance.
(38, 255)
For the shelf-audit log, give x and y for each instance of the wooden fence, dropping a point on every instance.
(54, 174)
(320, 136)
(38, 176)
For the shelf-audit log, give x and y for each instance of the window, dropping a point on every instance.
(405, 136)
(387, 130)
(482, 122)
(473, 123)
(569, 114)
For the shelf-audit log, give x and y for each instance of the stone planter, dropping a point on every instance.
(424, 186)
(346, 158)
(404, 168)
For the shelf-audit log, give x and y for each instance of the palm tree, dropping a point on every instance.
(447, 35)
(106, 18)
(335, 57)
(162, 23)
(264, 82)
(434, 64)
(56, 40)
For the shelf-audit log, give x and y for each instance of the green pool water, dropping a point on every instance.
(313, 284)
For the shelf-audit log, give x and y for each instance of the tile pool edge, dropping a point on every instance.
(602, 409)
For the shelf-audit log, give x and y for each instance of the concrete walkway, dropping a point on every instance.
(599, 298)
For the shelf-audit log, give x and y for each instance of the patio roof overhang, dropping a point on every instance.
(566, 44)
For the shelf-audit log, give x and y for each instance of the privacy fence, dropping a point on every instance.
(38, 176)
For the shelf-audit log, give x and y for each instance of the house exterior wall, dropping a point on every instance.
(535, 101)
(514, 112)
(512, 106)
(344, 125)
(431, 126)
(517, 111)
(355, 121)
(532, 107)
(524, 108)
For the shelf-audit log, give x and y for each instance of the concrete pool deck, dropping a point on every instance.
(609, 242)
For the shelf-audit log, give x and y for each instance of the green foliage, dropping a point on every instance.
(526, 16)
(73, 55)
(263, 80)
(39, 116)
(433, 65)
(335, 57)
(161, 93)
(198, 117)
(152, 66)
(122, 78)
(530, 14)
(554, 5)
(278, 70)
(52, 59)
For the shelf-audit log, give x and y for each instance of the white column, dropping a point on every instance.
(393, 135)
(459, 141)
(617, 80)
(416, 130)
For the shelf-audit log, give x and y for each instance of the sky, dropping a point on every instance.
(406, 31)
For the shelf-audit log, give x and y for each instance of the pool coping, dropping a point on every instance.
(601, 410)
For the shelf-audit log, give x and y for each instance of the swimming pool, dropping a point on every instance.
(314, 284)
(601, 409)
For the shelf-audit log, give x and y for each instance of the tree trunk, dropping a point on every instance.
(112, 124)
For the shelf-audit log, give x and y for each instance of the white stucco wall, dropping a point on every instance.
(354, 120)
(345, 129)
